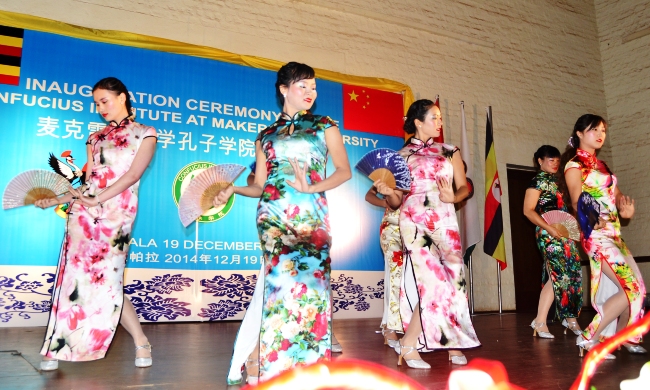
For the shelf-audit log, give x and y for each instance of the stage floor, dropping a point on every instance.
(197, 355)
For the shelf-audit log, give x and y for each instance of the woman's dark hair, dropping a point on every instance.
(417, 110)
(584, 123)
(545, 151)
(115, 85)
(289, 74)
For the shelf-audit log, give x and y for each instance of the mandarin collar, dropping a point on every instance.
(295, 116)
(418, 142)
(587, 157)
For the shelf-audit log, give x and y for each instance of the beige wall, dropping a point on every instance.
(536, 62)
(624, 35)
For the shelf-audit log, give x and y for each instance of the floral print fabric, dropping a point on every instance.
(561, 257)
(391, 245)
(88, 289)
(295, 236)
(605, 246)
(434, 274)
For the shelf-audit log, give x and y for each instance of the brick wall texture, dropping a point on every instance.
(539, 63)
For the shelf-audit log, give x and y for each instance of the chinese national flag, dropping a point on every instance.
(373, 111)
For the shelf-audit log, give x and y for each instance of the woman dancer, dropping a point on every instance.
(433, 301)
(561, 258)
(617, 297)
(391, 245)
(88, 297)
(292, 222)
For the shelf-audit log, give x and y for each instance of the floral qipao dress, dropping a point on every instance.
(561, 257)
(605, 246)
(88, 288)
(391, 245)
(295, 237)
(434, 274)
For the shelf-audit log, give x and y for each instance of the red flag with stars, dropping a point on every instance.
(373, 111)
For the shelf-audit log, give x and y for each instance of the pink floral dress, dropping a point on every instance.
(433, 275)
(605, 246)
(88, 288)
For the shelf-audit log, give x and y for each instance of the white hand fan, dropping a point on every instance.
(564, 222)
(199, 194)
(33, 185)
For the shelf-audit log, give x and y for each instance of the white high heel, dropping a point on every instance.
(572, 326)
(413, 363)
(635, 348)
(586, 345)
(145, 361)
(337, 348)
(539, 333)
(49, 365)
(252, 379)
(390, 342)
(461, 360)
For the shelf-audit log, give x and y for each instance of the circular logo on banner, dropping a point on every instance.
(182, 180)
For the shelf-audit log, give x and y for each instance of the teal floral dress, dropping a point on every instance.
(295, 236)
(561, 258)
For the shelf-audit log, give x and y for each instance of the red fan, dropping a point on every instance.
(564, 222)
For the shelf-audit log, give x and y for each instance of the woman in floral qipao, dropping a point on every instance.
(293, 225)
(561, 265)
(88, 297)
(391, 245)
(618, 296)
(433, 301)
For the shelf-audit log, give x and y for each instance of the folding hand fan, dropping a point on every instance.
(199, 194)
(588, 213)
(33, 185)
(387, 165)
(564, 222)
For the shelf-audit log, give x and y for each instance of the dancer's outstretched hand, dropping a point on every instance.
(625, 207)
(223, 196)
(383, 188)
(300, 184)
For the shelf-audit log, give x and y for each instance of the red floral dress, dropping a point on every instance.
(434, 275)
(88, 289)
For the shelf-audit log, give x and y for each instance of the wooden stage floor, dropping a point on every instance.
(197, 355)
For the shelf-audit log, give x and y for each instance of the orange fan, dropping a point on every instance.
(199, 194)
(33, 185)
(564, 222)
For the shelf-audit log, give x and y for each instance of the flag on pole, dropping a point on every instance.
(493, 241)
(441, 137)
(11, 52)
(470, 230)
(373, 111)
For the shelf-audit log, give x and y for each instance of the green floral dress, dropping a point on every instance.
(561, 258)
(295, 236)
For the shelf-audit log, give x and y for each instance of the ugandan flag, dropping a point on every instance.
(493, 241)
(11, 51)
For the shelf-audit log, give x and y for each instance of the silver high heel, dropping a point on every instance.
(413, 363)
(539, 333)
(146, 361)
(252, 379)
(586, 345)
(49, 365)
(635, 348)
(337, 348)
(461, 360)
(390, 342)
(572, 326)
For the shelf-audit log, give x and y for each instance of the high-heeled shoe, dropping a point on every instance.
(461, 360)
(252, 379)
(539, 333)
(586, 345)
(143, 362)
(49, 365)
(572, 326)
(634, 348)
(337, 348)
(390, 342)
(413, 363)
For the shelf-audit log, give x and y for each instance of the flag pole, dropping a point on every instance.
(471, 285)
(498, 263)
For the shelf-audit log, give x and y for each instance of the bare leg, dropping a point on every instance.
(617, 305)
(546, 298)
(131, 323)
(414, 331)
(252, 363)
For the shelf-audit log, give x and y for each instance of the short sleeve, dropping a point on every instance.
(536, 183)
(149, 132)
(571, 164)
(90, 139)
(326, 122)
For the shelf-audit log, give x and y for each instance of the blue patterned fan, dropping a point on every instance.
(588, 213)
(387, 165)
(253, 166)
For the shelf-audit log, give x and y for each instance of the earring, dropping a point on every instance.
(284, 95)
